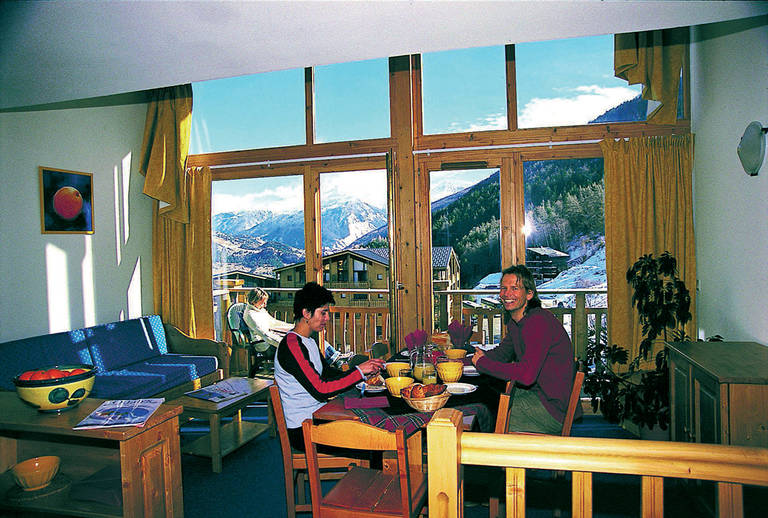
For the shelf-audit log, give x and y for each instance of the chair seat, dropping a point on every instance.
(364, 489)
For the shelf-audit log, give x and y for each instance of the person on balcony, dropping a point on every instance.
(303, 376)
(536, 354)
(261, 324)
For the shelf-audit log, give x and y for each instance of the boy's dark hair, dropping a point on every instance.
(526, 278)
(310, 297)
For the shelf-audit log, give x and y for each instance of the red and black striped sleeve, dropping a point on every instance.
(294, 358)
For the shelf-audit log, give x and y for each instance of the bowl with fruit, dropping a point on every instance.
(56, 388)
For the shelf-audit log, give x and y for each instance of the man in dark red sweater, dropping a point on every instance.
(536, 354)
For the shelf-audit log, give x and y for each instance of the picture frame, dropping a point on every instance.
(66, 201)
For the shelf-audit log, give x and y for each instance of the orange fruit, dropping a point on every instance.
(68, 203)
(54, 373)
(26, 375)
(77, 371)
(38, 375)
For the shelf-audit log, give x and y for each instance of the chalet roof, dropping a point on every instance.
(440, 256)
(546, 251)
(243, 273)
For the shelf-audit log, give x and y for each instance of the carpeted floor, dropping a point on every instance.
(251, 484)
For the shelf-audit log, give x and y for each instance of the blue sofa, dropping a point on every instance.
(136, 358)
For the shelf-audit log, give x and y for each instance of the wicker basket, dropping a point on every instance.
(428, 404)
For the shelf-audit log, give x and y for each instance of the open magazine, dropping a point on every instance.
(223, 390)
(120, 412)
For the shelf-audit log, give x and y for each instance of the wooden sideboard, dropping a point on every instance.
(146, 461)
(719, 392)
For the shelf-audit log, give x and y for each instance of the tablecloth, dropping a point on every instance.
(413, 421)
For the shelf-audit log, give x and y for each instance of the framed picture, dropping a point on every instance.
(66, 201)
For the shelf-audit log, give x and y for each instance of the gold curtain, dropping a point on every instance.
(653, 59)
(181, 217)
(181, 254)
(648, 210)
(165, 148)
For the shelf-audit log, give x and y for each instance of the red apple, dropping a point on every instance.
(54, 373)
(38, 375)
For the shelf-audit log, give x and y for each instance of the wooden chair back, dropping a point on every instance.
(295, 462)
(365, 491)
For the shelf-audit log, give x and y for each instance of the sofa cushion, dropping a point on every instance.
(40, 352)
(149, 377)
(117, 344)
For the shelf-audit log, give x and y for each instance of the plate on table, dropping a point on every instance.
(404, 352)
(460, 388)
(371, 388)
(470, 370)
(486, 347)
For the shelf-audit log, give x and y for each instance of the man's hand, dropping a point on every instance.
(371, 366)
(479, 353)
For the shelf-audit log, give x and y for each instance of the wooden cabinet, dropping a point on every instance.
(136, 471)
(719, 392)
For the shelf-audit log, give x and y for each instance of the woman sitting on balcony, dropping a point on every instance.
(303, 376)
(536, 354)
(261, 324)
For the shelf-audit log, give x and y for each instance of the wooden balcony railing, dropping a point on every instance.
(449, 448)
(359, 323)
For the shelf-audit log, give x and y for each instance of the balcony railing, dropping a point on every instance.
(356, 324)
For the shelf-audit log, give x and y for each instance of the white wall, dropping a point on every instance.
(54, 282)
(730, 89)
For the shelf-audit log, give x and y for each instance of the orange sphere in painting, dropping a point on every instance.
(68, 203)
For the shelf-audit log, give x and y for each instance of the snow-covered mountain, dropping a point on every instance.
(257, 239)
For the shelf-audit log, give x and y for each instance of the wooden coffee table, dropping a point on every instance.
(146, 459)
(222, 440)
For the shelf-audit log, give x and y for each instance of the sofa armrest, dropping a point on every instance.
(181, 343)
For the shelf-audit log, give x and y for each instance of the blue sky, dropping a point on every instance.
(559, 82)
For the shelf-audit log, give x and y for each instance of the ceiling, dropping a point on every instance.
(67, 50)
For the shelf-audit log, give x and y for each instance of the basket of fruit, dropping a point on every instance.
(56, 388)
(425, 398)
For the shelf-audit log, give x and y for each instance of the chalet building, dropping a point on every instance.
(364, 269)
(243, 279)
(545, 263)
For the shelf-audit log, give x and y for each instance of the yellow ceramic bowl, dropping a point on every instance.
(394, 368)
(396, 383)
(56, 394)
(35, 473)
(450, 370)
(456, 354)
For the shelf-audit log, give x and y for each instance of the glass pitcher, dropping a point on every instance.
(421, 365)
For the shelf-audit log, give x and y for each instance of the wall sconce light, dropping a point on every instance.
(751, 148)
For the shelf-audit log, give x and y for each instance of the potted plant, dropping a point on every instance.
(636, 394)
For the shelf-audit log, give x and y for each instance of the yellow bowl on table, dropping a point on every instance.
(456, 354)
(450, 370)
(397, 383)
(54, 389)
(35, 473)
(394, 368)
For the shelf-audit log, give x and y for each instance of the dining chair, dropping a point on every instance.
(241, 338)
(295, 463)
(399, 489)
(502, 419)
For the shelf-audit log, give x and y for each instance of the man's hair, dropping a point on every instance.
(256, 294)
(310, 297)
(526, 277)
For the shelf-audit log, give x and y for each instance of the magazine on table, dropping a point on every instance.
(223, 390)
(120, 412)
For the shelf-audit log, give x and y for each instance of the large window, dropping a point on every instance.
(565, 226)
(256, 111)
(464, 90)
(352, 101)
(571, 82)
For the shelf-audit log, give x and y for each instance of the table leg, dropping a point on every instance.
(215, 425)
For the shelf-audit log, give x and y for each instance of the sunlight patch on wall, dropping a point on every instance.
(58, 289)
(134, 291)
(126, 185)
(89, 297)
(116, 192)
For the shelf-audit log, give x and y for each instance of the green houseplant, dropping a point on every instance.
(636, 394)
